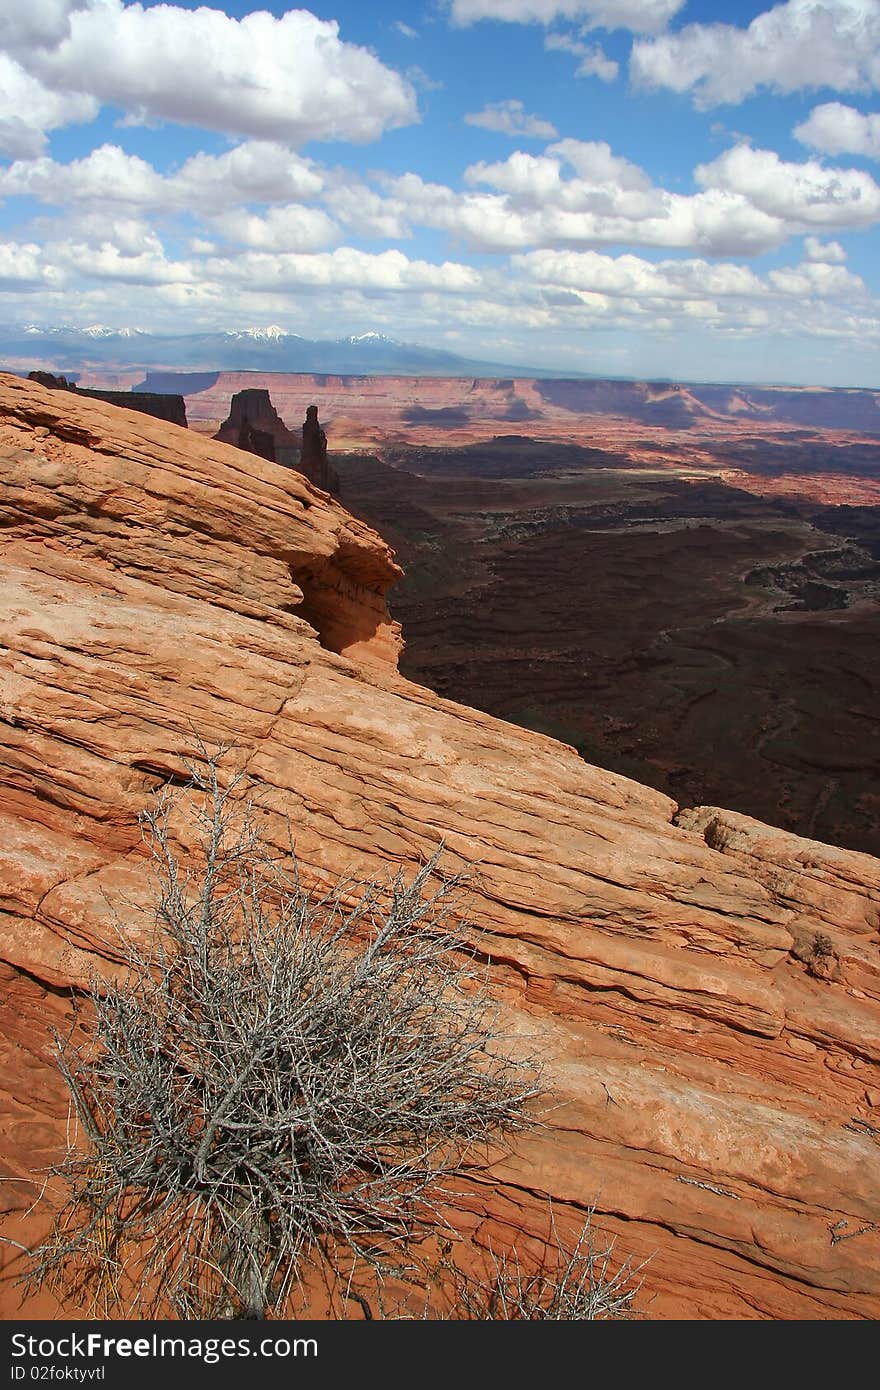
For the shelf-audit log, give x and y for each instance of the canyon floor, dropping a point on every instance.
(720, 645)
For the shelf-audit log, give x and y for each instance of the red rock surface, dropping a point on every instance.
(254, 424)
(705, 989)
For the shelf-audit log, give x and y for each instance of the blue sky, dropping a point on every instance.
(628, 187)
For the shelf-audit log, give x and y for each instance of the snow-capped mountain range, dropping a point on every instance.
(67, 349)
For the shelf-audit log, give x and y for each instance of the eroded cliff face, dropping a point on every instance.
(705, 990)
(254, 424)
(195, 517)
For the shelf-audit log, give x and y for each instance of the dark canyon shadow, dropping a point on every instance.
(715, 644)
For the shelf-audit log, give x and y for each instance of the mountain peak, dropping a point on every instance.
(369, 338)
(272, 333)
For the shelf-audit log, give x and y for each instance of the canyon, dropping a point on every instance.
(680, 628)
(703, 988)
(708, 553)
(683, 582)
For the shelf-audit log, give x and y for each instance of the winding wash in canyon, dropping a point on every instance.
(704, 988)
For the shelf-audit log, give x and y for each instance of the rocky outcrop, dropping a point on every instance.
(52, 382)
(705, 991)
(150, 504)
(313, 459)
(160, 405)
(254, 424)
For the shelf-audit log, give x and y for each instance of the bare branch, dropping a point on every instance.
(575, 1279)
(281, 1073)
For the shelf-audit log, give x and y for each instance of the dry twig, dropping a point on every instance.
(280, 1077)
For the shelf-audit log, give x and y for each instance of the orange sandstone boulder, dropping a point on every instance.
(705, 990)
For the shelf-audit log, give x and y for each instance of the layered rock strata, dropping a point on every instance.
(254, 424)
(704, 990)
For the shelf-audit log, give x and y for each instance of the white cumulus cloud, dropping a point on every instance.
(794, 46)
(28, 110)
(108, 174)
(38, 23)
(594, 161)
(594, 62)
(256, 171)
(108, 262)
(346, 266)
(803, 195)
(815, 278)
(363, 209)
(830, 252)
(20, 263)
(837, 129)
(607, 201)
(131, 235)
(291, 228)
(290, 78)
(727, 297)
